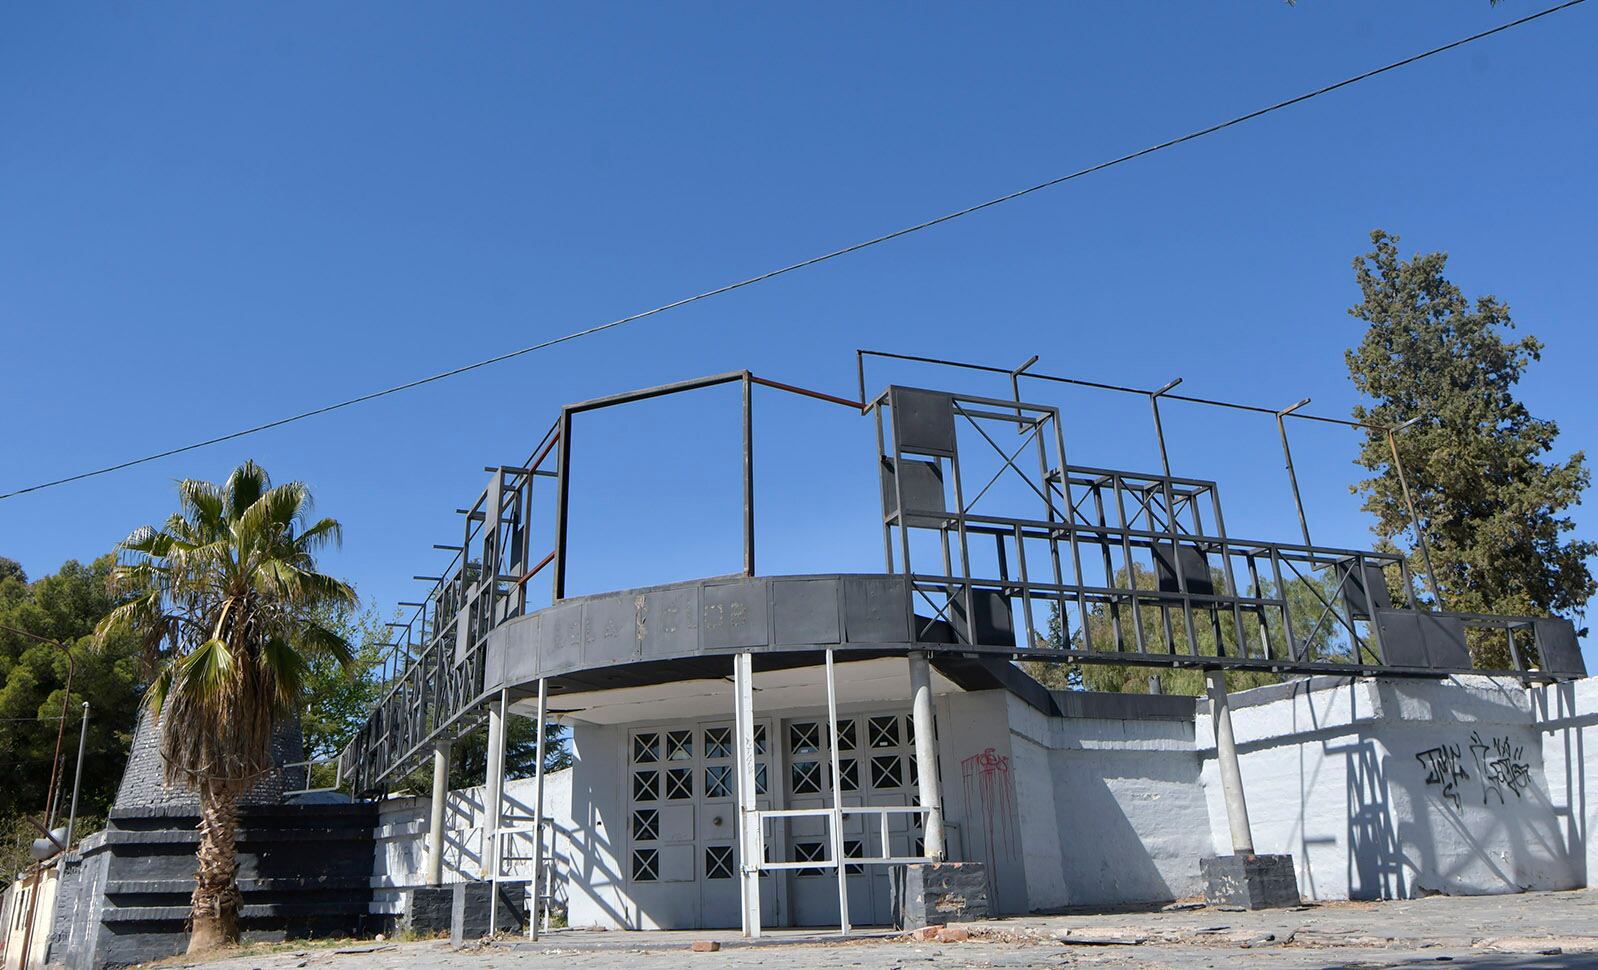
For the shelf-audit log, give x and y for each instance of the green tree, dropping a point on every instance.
(61, 608)
(1491, 500)
(227, 599)
(338, 696)
(1325, 640)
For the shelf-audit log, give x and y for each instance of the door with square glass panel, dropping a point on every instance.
(682, 847)
(876, 766)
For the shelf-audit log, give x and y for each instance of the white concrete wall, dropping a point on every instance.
(1397, 788)
(400, 850)
(1567, 718)
(597, 890)
(1114, 812)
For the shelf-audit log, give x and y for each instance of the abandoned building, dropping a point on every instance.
(850, 749)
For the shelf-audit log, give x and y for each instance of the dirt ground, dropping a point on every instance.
(1534, 930)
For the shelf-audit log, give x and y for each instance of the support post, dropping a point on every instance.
(494, 799)
(538, 812)
(749, 476)
(749, 849)
(436, 836)
(1409, 503)
(1292, 474)
(1226, 759)
(835, 817)
(926, 757)
(77, 782)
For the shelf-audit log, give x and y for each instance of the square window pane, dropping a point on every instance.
(718, 742)
(854, 849)
(646, 786)
(807, 777)
(883, 732)
(646, 824)
(885, 772)
(849, 775)
(718, 781)
(846, 740)
(679, 745)
(646, 865)
(680, 784)
(809, 852)
(804, 738)
(718, 862)
(646, 748)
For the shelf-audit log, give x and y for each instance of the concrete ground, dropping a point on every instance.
(1534, 930)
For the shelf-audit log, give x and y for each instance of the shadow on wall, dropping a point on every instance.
(601, 882)
(1564, 764)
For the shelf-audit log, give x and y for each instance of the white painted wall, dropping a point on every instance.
(1567, 718)
(1397, 788)
(400, 851)
(1113, 810)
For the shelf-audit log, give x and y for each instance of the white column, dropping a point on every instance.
(436, 836)
(749, 848)
(1226, 760)
(926, 756)
(493, 786)
(836, 817)
(538, 811)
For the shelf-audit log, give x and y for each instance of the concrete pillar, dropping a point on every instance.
(539, 889)
(435, 815)
(1226, 759)
(926, 755)
(493, 788)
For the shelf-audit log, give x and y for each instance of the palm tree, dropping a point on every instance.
(225, 597)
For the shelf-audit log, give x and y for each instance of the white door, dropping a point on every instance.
(876, 766)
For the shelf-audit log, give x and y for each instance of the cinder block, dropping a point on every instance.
(469, 910)
(935, 893)
(429, 910)
(1250, 881)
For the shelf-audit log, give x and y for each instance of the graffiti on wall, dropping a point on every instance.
(1500, 766)
(988, 785)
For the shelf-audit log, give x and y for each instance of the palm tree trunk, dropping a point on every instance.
(214, 907)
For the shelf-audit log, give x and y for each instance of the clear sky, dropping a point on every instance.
(212, 215)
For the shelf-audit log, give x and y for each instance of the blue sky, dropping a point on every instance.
(214, 215)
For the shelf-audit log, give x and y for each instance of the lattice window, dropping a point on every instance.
(679, 745)
(718, 862)
(760, 739)
(646, 749)
(854, 849)
(646, 786)
(804, 738)
(883, 732)
(809, 852)
(718, 781)
(679, 784)
(718, 742)
(760, 779)
(646, 824)
(885, 772)
(646, 865)
(849, 775)
(846, 735)
(807, 777)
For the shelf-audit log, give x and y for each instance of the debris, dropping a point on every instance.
(1181, 907)
(952, 934)
(704, 946)
(1102, 936)
(376, 948)
(925, 934)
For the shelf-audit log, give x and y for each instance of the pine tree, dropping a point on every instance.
(1492, 501)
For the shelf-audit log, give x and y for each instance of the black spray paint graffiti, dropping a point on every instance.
(1443, 767)
(1499, 762)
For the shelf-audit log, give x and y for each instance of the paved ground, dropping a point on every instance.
(1534, 930)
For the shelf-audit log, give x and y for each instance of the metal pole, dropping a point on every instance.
(1159, 429)
(926, 757)
(563, 491)
(749, 477)
(77, 781)
(835, 817)
(1226, 759)
(1292, 475)
(493, 796)
(435, 816)
(1420, 534)
(538, 810)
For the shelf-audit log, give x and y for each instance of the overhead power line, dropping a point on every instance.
(802, 264)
